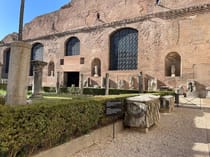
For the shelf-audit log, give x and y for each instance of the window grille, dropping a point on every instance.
(124, 49)
(37, 52)
(73, 47)
(6, 59)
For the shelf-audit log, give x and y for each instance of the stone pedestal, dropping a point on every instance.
(107, 84)
(18, 73)
(142, 111)
(207, 92)
(166, 103)
(37, 82)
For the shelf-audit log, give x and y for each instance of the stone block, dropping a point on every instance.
(142, 111)
(166, 103)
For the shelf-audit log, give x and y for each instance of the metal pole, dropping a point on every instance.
(200, 103)
(113, 128)
(21, 20)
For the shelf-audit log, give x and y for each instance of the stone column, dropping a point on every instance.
(58, 83)
(18, 73)
(37, 82)
(107, 84)
(140, 80)
(1, 72)
(81, 84)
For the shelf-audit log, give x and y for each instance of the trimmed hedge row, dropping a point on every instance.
(26, 129)
(89, 91)
(161, 93)
(3, 86)
(101, 91)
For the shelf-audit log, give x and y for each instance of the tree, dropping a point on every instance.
(21, 20)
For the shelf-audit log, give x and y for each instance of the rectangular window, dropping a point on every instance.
(82, 60)
(61, 61)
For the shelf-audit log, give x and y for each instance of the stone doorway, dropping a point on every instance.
(72, 78)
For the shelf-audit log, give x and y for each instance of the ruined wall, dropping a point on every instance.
(162, 29)
(83, 13)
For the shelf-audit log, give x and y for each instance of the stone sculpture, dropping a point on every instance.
(131, 82)
(173, 70)
(120, 84)
(152, 84)
(95, 71)
(191, 89)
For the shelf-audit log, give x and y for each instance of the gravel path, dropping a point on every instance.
(182, 133)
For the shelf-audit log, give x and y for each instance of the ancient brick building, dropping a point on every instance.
(168, 40)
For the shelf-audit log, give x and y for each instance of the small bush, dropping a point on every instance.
(2, 100)
(3, 86)
(64, 90)
(49, 89)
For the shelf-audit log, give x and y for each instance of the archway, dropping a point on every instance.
(96, 67)
(124, 49)
(173, 64)
(6, 59)
(51, 68)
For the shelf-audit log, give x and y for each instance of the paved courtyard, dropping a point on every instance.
(182, 133)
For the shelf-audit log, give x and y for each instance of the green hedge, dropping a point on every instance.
(3, 86)
(89, 91)
(101, 91)
(26, 129)
(49, 89)
(161, 93)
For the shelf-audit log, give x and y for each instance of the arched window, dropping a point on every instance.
(51, 69)
(37, 52)
(72, 47)
(124, 49)
(6, 59)
(173, 64)
(96, 67)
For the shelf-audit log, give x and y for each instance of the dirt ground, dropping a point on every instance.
(182, 133)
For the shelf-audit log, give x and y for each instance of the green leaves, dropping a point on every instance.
(46, 124)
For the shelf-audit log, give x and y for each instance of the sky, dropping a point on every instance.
(10, 10)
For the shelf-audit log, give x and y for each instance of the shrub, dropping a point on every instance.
(161, 93)
(3, 86)
(101, 91)
(24, 129)
(64, 90)
(49, 89)
(2, 100)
